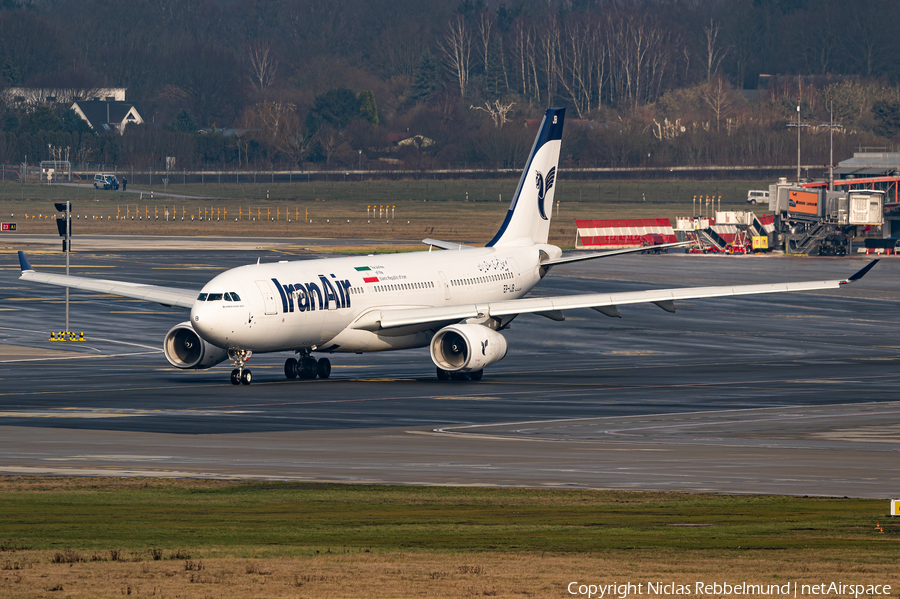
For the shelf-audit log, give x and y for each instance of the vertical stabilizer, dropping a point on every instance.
(528, 219)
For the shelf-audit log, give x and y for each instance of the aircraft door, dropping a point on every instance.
(267, 289)
(446, 286)
(514, 269)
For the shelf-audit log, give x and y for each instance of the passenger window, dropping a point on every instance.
(201, 297)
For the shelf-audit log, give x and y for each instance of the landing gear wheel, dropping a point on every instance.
(443, 375)
(476, 375)
(290, 368)
(246, 377)
(459, 376)
(308, 368)
(235, 377)
(323, 368)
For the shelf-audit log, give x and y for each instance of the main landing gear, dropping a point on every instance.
(307, 367)
(443, 375)
(240, 375)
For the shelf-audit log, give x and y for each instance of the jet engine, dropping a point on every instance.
(185, 349)
(467, 347)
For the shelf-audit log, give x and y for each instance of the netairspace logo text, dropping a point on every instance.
(699, 589)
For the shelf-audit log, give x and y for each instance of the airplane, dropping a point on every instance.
(456, 301)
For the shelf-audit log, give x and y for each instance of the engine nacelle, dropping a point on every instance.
(185, 349)
(467, 347)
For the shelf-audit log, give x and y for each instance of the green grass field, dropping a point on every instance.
(327, 540)
(352, 209)
(286, 519)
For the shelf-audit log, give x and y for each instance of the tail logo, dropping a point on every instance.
(542, 190)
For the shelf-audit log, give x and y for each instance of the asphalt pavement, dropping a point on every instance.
(786, 393)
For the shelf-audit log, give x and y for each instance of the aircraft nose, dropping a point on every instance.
(202, 321)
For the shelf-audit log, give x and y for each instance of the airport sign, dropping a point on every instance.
(7, 226)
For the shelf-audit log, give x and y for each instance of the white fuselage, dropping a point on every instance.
(313, 304)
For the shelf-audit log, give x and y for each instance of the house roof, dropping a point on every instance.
(104, 116)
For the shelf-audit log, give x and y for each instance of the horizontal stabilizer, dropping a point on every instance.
(446, 245)
(595, 255)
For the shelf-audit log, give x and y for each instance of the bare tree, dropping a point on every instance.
(295, 141)
(522, 33)
(714, 53)
(485, 29)
(263, 65)
(640, 58)
(718, 97)
(497, 110)
(550, 50)
(334, 146)
(457, 50)
(525, 46)
(581, 64)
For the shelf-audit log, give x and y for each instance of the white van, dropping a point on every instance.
(106, 181)
(757, 196)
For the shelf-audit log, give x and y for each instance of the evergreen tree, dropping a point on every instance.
(336, 107)
(70, 122)
(11, 73)
(42, 119)
(10, 122)
(426, 77)
(367, 108)
(494, 76)
(887, 118)
(184, 123)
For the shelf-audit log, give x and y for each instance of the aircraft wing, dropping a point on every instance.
(168, 296)
(594, 255)
(606, 303)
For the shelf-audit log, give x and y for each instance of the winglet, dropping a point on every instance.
(24, 263)
(855, 277)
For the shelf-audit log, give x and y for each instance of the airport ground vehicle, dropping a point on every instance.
(105, 181)
(757, 196)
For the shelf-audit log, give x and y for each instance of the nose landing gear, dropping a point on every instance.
(240, 375)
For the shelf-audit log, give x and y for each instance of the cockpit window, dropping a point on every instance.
(214, 297)
(235, 297)
(201, 297)
(227, 297)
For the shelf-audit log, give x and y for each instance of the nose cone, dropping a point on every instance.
(205, 322)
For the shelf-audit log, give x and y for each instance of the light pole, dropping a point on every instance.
(65, 231)
(798, 140)
(360, 160)
(831, 149)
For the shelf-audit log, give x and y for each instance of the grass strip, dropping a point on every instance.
(106, 537)
(253, 518)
